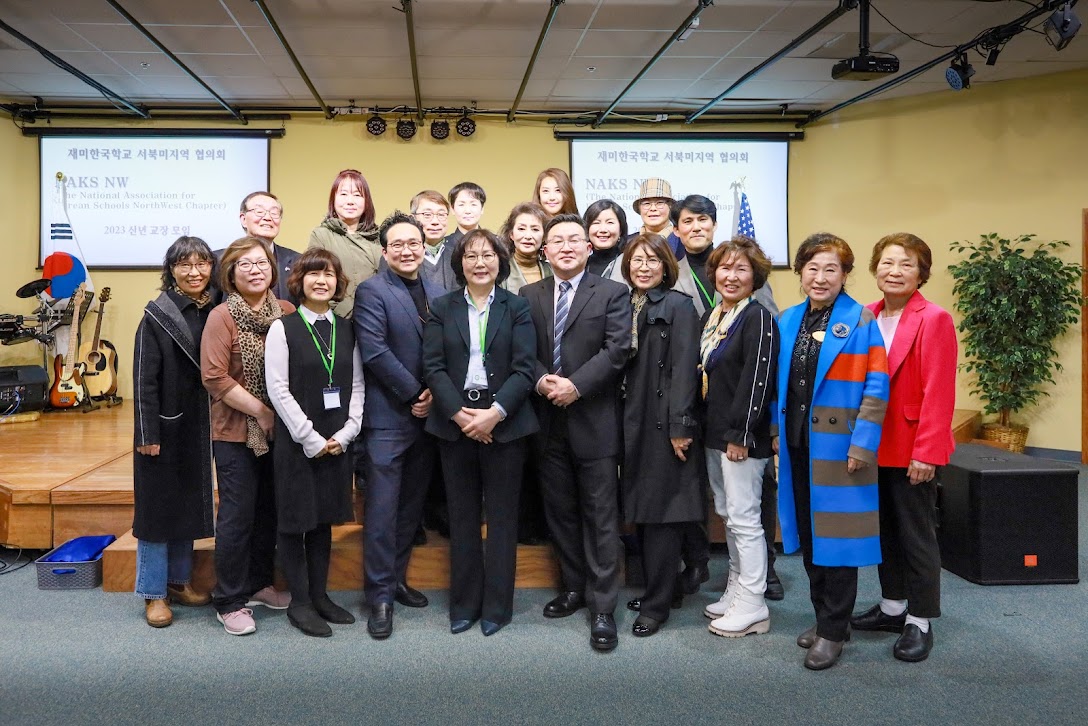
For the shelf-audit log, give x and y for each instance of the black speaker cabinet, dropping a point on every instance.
(1007, 518)
(22, 389)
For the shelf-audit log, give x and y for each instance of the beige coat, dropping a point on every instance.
(359, 253)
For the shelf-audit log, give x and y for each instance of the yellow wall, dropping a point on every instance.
(1002, 157)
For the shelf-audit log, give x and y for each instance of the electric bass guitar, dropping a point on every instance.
(68, 390)
(99, 358)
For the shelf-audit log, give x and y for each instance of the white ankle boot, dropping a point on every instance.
(747, 614)
(717, 609)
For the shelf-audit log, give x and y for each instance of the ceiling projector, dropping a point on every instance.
(865, 67)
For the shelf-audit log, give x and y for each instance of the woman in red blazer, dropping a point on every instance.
(922, 349)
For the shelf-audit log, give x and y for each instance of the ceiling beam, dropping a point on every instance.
(409, 20)
(995, 36)
(66, 66)
(700, 6)
(294, 58)
(177, 61)
(844, 7)
(532, 59)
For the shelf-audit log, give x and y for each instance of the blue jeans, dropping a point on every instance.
(159, 563)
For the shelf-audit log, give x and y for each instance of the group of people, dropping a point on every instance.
(617, 375)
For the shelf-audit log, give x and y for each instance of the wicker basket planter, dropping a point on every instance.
(1013, 436)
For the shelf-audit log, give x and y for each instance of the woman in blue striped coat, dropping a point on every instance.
(832, 392)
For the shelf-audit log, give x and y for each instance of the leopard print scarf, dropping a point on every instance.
(201, 302)
(252, 327)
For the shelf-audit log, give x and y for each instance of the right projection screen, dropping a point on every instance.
(747, 180)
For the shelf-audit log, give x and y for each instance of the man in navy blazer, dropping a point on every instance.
(583, 332)
(260, 214)
(390, 309)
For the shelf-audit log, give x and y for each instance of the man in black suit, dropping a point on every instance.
(260, 214)
(583, 333)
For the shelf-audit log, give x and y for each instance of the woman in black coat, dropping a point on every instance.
(664, 470)
(479, 346)
(172, 466)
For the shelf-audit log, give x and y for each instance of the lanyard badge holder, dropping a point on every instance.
(330, 394)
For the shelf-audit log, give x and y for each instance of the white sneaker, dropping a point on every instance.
(239, 622)
(717, 609)
(747, 614)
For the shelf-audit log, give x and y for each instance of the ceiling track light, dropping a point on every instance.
(959, 73)
(406, 128)
(375, 125)
(440, 130)
(465, 126)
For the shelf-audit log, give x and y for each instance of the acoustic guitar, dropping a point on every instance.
(99, 358)
(68, 390)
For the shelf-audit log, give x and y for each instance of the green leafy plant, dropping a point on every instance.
(1017, 297)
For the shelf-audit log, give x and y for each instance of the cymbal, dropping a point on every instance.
(33, 288)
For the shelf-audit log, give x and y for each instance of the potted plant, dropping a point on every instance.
(1016, 298)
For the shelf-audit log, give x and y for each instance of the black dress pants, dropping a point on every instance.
(661, 544)
(245, 525)
(305, 561)
(482, 479)
(581, 504)
(911, 567)
(769, 513)
(832, 590)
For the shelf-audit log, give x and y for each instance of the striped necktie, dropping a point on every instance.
(561, 309)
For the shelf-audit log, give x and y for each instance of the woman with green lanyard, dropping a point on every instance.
(315, 381)
(479, 346)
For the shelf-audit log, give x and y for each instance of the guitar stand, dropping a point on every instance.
(109, 401)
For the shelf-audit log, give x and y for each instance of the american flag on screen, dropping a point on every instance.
(744, 223)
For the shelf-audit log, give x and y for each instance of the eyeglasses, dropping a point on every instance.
(415, 246)
(652, 203)
(261, 213)
(652, 262)
(428, 216)
(247, 265)
(558, 244)
(184, 268)
(488, 257)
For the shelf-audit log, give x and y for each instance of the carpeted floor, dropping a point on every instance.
(1004, 655)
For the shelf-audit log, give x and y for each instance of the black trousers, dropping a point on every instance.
(400, 463)
(911, 567)
(661, 545)
(482, 479)
(245, 525)
(582, 508)
(769, 510)
(305, 561)
(832, 590)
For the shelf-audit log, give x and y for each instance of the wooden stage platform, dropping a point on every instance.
(70, 474)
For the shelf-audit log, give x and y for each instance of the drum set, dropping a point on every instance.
(40, 324)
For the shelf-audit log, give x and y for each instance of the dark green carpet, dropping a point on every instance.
(1003, 655)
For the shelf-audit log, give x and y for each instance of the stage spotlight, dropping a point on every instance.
(466, 126)
(440, 130)
(375, 125)
(959, 73)
(406, 128)
(1061, 27)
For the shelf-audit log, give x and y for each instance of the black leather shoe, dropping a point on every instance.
(805, 639)
(692, 577)
(913, 645)
(420, 537)
(645, 626)
(332, 612)
(460, 626)
(875, 619)
(774, 589)
(602, 632)
(532, 540)
(634, 605)
(823, 654)
(306, 619)
(489, 628)
(409, 597)
(677, 602)
(380, 622)
(566, 604)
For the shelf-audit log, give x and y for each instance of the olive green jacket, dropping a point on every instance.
(359, 254)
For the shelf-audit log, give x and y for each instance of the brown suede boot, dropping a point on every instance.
(158, 613)
(187, 596)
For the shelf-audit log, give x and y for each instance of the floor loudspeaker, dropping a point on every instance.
(1007, 518)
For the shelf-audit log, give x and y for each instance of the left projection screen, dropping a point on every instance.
(128, 198)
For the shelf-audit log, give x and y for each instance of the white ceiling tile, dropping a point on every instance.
(202, 38)
(710, 44)
(468, 14)
(158, 64)
(479, 67)
(215, 64)
(92, 62)
(49, 34)
(167, 12)
(113, 37)
(502, 43)
(742, 16)
(25, 61)
(634, 43)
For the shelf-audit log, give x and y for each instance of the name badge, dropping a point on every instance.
(479, 378)
(332, 398)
